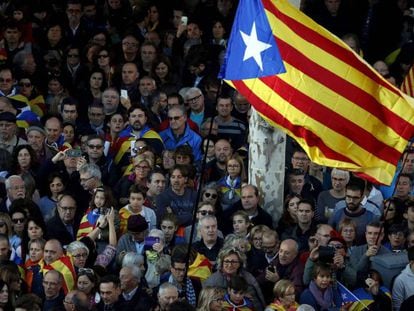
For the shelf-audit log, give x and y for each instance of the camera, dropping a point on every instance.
(326, 254)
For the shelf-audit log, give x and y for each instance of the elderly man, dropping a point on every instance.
(8, 128)
(15, 189)
(36, 136)
(76, 300)
(284, 266)
(210, 244)
(110, 101)
(198, 110)
(167, 294)
(63, 225)
(54, 130)
(132, 293)
(52, 285)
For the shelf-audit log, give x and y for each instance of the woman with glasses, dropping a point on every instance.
(18, 217)
(284, 293)
(231, 261)
(230, 185)
(88, 282)
(79, 253)
(28, 89)
(347, 228)
(211, 299)
(104, 62)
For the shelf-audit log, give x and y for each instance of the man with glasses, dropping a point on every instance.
(63, 225)
(285, 265)
(73, 71)
(198, 112)
(354, 209)
(188, 288)
(130, 48)
(7, 82)
(179, 133)
(52, 285)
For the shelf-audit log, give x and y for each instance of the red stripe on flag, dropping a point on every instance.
(311, 138)
(407, 86)
(325, 44)
(333, 120)
(343, 88)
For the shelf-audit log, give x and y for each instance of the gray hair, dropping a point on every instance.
(192, 91)
(135, 272)
(8, 181)
(76, 245)
(225, 252)
(132, 259)
(92, 169)
(341, 173)
(158, 234)
(165, 286)
(207, 217)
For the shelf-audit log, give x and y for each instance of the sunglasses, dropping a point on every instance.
(86, 271)
(174, 118)
(2, 224)
(103, 56)
(2, 80)
(212, 195)
(25, 84)
(204, 213)
(18, 220)
(73, 55)
(95, 146)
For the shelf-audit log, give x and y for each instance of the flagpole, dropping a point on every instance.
(200, 184)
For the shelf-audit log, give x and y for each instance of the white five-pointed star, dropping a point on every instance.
(253, 46)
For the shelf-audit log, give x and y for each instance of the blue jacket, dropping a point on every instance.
(189, 138)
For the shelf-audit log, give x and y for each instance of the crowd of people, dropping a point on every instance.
(123, 168)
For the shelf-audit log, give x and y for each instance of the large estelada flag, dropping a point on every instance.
(408, 84)
(306, 81)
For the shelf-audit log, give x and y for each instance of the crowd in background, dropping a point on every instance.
(124, 168)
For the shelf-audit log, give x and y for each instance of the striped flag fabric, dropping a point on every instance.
(408, 84)
(65, 266)
(306, 81)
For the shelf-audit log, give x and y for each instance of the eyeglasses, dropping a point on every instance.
(204, 213)
(2, 80)
(67, 208)
(2, 224)
(103, 56)
(233, 165)
(300, 159)
(212, 195)
(268, 247)
(73, 55)
(25, 84)
(231, 262)
(129, 44)
(18, 220)
(194, 99)
(95, 146)
(176, 118)
(86, 271)
(68, 302)
(141, 168)
(78, 256)
(85, 179)
(336, 246)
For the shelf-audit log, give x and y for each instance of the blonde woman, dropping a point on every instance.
(211, 299)
(284, 293)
